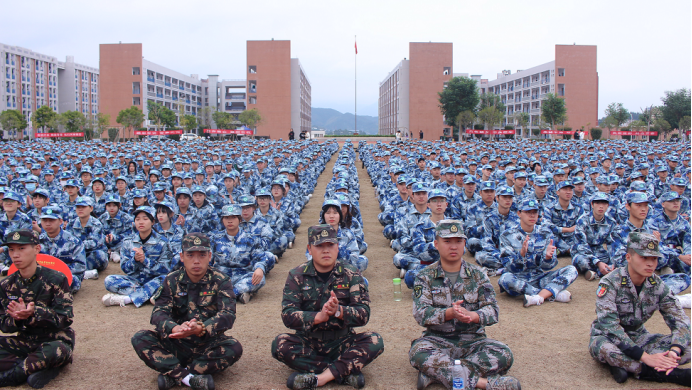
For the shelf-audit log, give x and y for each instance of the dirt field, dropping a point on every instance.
(549, 342)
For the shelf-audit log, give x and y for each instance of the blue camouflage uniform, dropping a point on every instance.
(70, 250)
(92, 235)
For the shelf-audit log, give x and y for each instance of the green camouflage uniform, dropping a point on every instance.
(44, 340)
(332, 345)
(618, 335)
(212, 302)
(445, 341)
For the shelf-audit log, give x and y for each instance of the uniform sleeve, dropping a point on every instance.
(548, 219)
(127, 258)
(79, 261)
(488, 312)
(510, 253)
(473, 229)
(261, 259)
(292, 313)
(423, 310)
(7, 323)
(619, 247)
(58, 312)
(161, 316)
(581, 241)
(357, 312)
(675, 318)
(225, 316)
(423, 247)
(160, 265)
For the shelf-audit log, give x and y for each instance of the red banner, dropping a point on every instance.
(470, 131)
(224, 131)
(166, 132)
(556, 132)
(635, 133)
(51, 135)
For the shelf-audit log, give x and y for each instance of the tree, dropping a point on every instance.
(189, 123)
(204, 118)
(43, 117)
(684, 126)
(596, 133)
(676, 105)
(663, 127)
(222, 119)
(161, 115)
(523, 119)
(168, 118)
(112, 134)
(610, 123)
(72, 121)
(13, 120)
(130, 118)
(465, 119)
(491, 116)
(554, 110)
(617, 113)
(461, 94)
(250, 118)
(102, 122)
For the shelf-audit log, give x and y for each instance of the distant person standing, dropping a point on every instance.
(421, 134)
(576, 135)
(291, 135)
(398, 135)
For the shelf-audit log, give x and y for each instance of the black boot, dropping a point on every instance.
(680, 376)
(619, 374)
(41, 378)
(13, 377)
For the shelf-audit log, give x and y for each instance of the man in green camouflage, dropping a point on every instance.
(324, 299)
(626, 298)
(195, 307)
(455, 301)
(35, 302)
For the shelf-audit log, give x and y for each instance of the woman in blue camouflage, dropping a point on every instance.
(90, 230)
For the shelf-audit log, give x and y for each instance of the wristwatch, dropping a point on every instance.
(338, 312)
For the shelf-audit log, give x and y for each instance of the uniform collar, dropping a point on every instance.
(309, 268)
(184, 279)
(464, 271)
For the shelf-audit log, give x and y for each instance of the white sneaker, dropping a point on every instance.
(685, 300)
(564, 296)
(531, 300)
(244, 298)
(115, 257)
(91, 274)
(589, 275)
(4, 269)
(290, 245)
(402, 273)
(114, 299)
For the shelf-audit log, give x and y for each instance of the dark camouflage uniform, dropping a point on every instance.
(618, 335)
(333, 344)
(212, 302)
(444, 341)
(44, 340)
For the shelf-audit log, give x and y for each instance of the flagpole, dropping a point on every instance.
(355, 96)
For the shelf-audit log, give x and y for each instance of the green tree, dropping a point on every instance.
(610, 123)
(222, 119)
(554, 110)
(461, 94)
(596, 133)
(160, 115)
(113, 134)
(523, 119)
(130, 118)
(168, 118)
(44, 117)
(663, 127)
(491, 116)
(465, 119)
(618, 114)
(250, 118)
(72, 121)
(676, 105)
(102, 122)
(189, 123)
(684, 126)
(204, 118)
(13, 120)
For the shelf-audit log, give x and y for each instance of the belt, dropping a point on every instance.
(328, 334)
(631, 328)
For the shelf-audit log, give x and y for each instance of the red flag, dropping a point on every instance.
(356, 47)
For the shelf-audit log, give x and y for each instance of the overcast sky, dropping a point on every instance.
(644, 47)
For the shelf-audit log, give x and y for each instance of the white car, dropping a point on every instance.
(189, 137)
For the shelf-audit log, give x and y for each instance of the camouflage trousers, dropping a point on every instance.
(406, 261)
(606, 351)
(474, 245)
(343, 356)
(137, 291)
(677, 283)
(362, 246)
(489, 259)
(242, 283)
(29, 356)
(179, 357)
(585, 263)
(532, 283)
(480, 358)
(97, 260)
(389, 232)
(563, 243)
(279, 245)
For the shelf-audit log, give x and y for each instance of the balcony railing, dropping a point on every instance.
(535, 83)
(159, 95)
(199, 104)
(167, 97)
(175, 98)
(168, 84)
(150, 93)
(187, 101)
(180, 87)
(510, 101)
(535, 110)
(150, 79)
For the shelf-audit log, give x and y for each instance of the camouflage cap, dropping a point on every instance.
(645, 244)
(637, 197)
(320, 234)
(51, 212)
(22, 236)
(668, 196)
(448, 228)
(563, 184)
(529, 204)
(504, 190)
(196, 242)
(600, 196)
(487, 185)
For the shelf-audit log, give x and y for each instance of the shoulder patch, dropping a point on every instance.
(624, 281)
(602, 290)
(652, 280)
(417, 291)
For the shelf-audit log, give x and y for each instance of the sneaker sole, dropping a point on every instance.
(39, 379)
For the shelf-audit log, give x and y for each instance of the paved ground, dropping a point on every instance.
(549, 342)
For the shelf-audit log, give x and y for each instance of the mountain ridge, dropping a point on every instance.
(331, 119)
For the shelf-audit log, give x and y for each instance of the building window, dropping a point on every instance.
(561, 90)
(253, 99)
(252, 69)
(253, 86)
(135, 101)
(135, 88)
(447, 70)
(561, 72)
